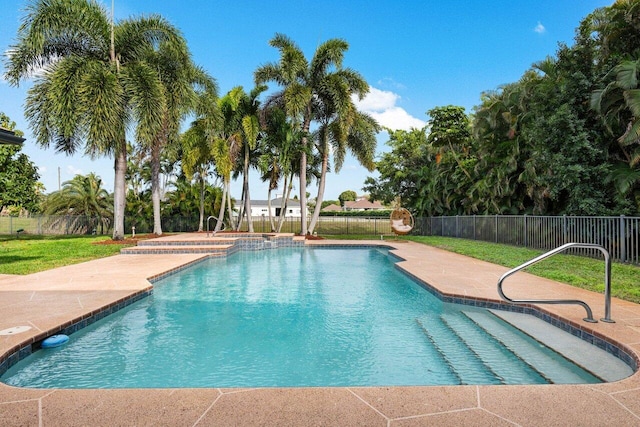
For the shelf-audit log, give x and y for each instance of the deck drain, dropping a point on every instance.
(15, 330)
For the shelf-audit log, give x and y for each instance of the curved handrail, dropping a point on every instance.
(216, 218)
(607, 281)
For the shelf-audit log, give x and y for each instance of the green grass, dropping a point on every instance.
(32, 253)
(582, 272)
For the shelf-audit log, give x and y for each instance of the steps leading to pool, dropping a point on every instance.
(481, 348)
(592, 358)
(510, 368)
(221, 245)
(461, 359)
(544, 360)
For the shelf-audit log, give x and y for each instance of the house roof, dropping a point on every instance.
(332, 208)
(9, 137)
(363, 204)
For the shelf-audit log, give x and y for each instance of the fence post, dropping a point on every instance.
(457, 229)
(564, 229)
(474, 227)
(525, 231)
(623, 240)
(496, 225)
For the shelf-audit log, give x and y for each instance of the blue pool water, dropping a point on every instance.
(285, 317)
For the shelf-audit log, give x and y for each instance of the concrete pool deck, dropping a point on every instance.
(52, 299)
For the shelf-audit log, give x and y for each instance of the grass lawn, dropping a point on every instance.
(32, 253)
(586, 273)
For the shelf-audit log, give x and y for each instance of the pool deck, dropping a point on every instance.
(48, 300)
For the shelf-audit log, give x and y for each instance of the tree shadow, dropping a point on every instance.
(11, 259)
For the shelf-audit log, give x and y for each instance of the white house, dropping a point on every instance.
(261, 207)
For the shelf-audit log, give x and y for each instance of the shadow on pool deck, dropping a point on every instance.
(48, 300)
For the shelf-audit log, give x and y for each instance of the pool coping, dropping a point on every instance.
(475, 405)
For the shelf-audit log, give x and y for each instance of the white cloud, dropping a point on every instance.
(390, 82)
(381, 105)
(42, 170)
(377, 100)
(540, 29)
(73, 171)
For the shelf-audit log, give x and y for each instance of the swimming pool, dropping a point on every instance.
(289, 317)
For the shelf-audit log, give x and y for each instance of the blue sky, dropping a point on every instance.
(416, 55)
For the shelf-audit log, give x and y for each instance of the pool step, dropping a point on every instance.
(504, 362)
(553, 365)
(215, 245)
(462, 360)
(215, 250)
(211, 241)
(592, 358)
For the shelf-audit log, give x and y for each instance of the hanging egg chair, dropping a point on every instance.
(401, 221)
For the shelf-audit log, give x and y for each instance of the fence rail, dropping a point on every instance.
(619, 235)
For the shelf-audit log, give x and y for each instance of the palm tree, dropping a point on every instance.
(619, 106)
(249, 109)
(179, 77)
(197, 161)
(83, 196)
(353, 130)
(241, 129)
(92, 81)
(303, 85)
(276, 160)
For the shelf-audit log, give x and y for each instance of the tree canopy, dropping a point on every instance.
(564, 139)
(19, 186)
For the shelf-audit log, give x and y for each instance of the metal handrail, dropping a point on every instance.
(216, 218)
(607, 282)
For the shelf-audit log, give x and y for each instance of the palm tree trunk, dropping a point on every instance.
(240, 210)
(321, 185)
(155, 187)
(285, 204)
(272, 228)
(245, 190)
(119, 190)
(231, 220)
(303, 175)
(222, 204)
(201, 223)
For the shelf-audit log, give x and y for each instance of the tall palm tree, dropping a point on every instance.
(249, 110)
(355, 131)
(277, 158)
(92, 81)
(241, 129)
(303, 84)
(180, 78)
(197, 161)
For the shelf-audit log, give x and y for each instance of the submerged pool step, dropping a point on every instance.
(506, 365)
(466, 365)
(552, 365)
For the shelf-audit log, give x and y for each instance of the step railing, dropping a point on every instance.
(214, 231)
(607, 282)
